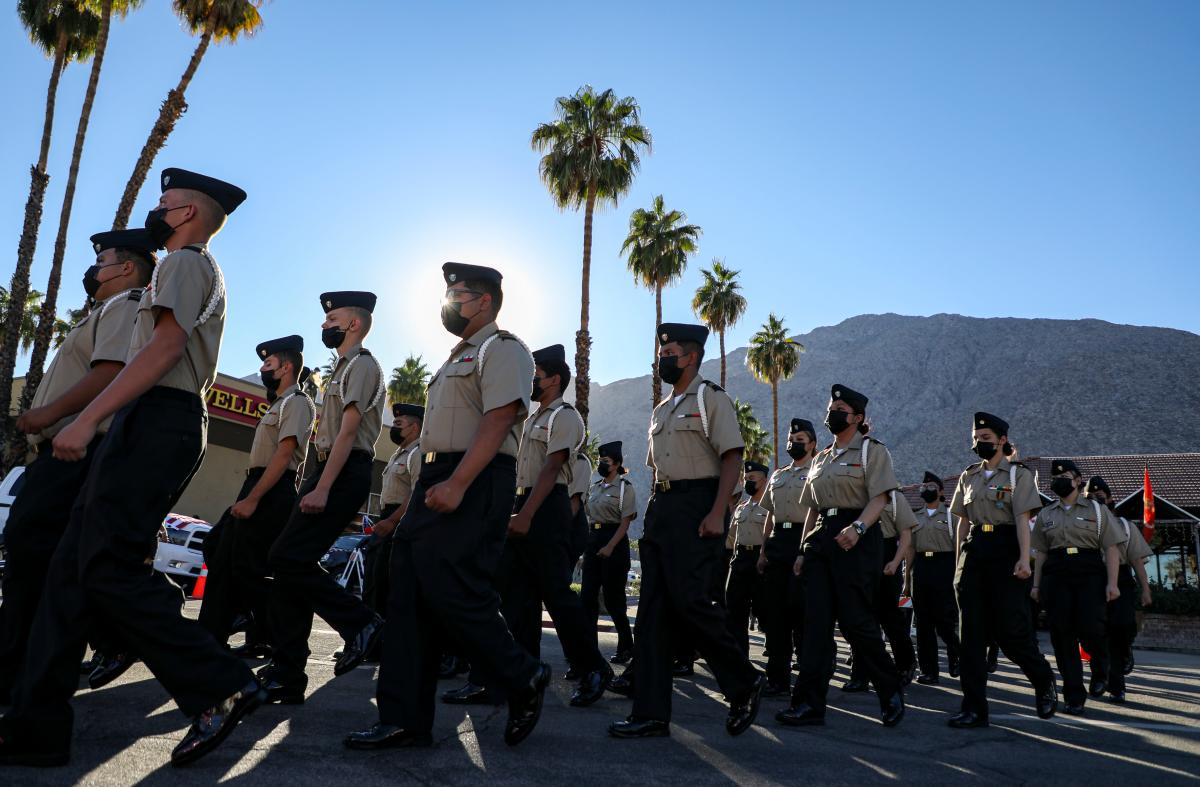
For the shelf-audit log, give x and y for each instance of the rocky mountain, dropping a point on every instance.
(1069, 387)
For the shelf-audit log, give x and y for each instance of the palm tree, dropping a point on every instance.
(592, 150)
(408, 382)
(28, 327)
(658, 246)
(591, 448)
(758, 447)
(719, 303)
(773, 356)
(66, 32)
(222, 20)
(323, 373)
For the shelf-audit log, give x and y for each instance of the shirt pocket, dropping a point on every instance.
(691, 440)
(457, 379)
(271, 418)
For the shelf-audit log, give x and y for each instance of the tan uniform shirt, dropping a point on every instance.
(933, 533)
(783, 496)
(556, 427)
(291, 415)
(192, 286)
(1134, 548)
(357, 380)
(581, 477)
(749, 518)
(839, 480)
(400, 473)
(994, 501)
(896, 515)
(609, 504)
(678, 448)
(473, 382)
(101, 336)
(1059, 527)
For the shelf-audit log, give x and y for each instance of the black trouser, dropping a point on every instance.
(237, 574)
(579, 539)
(377, 565)
(607, 575)
(993, 606)
(534, 572)
(935, 609)
(1073, 594)
(443, 595)
(1121, 628)
(142, 466)
(892, 619)
(676, 605)
(302, 587)
(743, 594)
(36, 522)
(840, 585)
(783, 607)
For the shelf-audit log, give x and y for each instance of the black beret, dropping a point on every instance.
(840, 393)
(454, 272)
(682, 332)
(931, 478)
(800, 425)
(1059, 466)
(611, 450)
(227, 195)
(752, 467)
(988, 421)
(272, 346)
(1097, 484)
(411, 410)
(343, 298)
(136, 240)
(555, 353)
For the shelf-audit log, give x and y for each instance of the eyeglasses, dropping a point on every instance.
(452, 293)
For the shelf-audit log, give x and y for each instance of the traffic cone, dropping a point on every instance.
(198, 590)
(1083, 654)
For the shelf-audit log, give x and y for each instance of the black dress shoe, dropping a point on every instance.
(571, 674)
(265, 672)
(251, 650)
(357, 649)
(954, 669)
(1047, 701)
(213, 726)
(777, 690)
(634, 727)
(470, 694)
(110, 669)
(280, 694)
(967, 720)
(386, 736)
(1073, 708)
(893, 710)
(621, 685)
(1117, 697)
(743, 712)
(682, 669)
(525, 707)
(928, 680)
(803, 715)
(854, 685)
(621, 657)
(592, 687)
(87, 665)
(1098, 688)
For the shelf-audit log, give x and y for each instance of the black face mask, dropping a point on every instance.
(452, 319)
(751, 488)
(332, 337)
(604, 468)
(837, 421)
(1063, 487)
(668, 369)
(397, 435)
(797, 450)
(929, 495)
(269, 380)
(271, 396)
(91, 285)
(158, 227)
(537, 390)
(984, 450)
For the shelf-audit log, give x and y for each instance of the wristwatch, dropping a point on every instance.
(859, 527)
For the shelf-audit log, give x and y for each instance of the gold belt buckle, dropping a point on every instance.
(987, 528)
(596, 526)
(831, 512)
(664, 486)
(322, 456)
(522, 490)
(928, 554)
(785, 525)
(1072, 550)
(430, 457)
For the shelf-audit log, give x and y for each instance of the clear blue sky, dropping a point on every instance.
(1016, 159)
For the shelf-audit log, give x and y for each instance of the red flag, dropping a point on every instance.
(1147, 508)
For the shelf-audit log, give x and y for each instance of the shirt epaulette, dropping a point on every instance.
(712, 385)
(136, 293)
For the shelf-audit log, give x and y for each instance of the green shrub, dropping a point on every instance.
(1178, 600)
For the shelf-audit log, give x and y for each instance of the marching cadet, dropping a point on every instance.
(895, 525)
(931, 578)
(446, 549)
(841, 551)
(141, 466)
(611, 507)
(540, 532)
(1121, 628)
(90, 357)
(265, 500)
(1079, 556)
(783, 606)
(399, 475)
(994, 501)
(695, 452)
(744, 590)
(581, 479)
(351, 418)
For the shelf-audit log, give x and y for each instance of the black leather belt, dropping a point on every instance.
(748, 547)
(359, 453)
(987, 527)
(523, 491)
(786, 526)
(602, 525)
(685, 484)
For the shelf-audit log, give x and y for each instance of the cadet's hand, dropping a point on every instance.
(384, 528)
(605, 551)
(798, 566)
(244, 509)
(761, 565)
(1022, 570)
(314, 502)
(518, 525)
(1033, 594)
(1146, 599)
(712, 526)
(445, 498)
(891, 568)
(1111, 593)
(70, 445)
(35, 420)
(847, 538)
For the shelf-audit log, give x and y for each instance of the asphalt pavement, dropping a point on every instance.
(124, 734)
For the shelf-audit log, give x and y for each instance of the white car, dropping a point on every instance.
(179, 555)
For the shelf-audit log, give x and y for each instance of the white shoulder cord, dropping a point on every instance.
(1099, 517)
(866, 444)
(703, 409)
(895, 510)
(621, 498)
(550, 424)
(378, 391)
(487, 342)
(218, 290)
(312, 417)
(1125, 524)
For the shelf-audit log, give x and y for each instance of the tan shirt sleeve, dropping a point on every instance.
(628, 499)
(184, 282)
(507, 375)
(1025, 497)
(958, 506)
(808, 498)
(880, 475)
(723, 432)
(1138, 549)
(1037, 538)
(567, 432)
(1111, 532)
(360, 383)
(905, 519)
(114, 331)
(296, 420)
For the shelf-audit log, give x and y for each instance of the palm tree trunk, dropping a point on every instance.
(172, 109)
(775, 418)
(583, 342)
(721, 334)
(655, 377)
(18, 290)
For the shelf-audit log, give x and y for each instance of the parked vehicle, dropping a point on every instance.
(8, 493)
(179, 554)
(344, 561)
